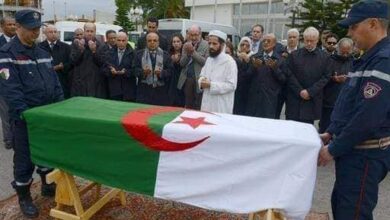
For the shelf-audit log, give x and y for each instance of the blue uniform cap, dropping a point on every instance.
(29, 19)
(363, 10)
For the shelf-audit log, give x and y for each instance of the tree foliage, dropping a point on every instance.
(163, 8)
(323, 15)
(122, 15)
(169, 9)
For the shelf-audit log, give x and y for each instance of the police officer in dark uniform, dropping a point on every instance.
(359, 135)
(27, 80)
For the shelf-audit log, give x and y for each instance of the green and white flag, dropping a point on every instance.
(215, 161)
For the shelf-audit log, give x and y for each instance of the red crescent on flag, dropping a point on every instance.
(136, 125)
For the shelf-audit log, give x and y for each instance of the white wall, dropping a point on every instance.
(206, 13)
(105, 17)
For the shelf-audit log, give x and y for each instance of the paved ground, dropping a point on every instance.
(321, 202)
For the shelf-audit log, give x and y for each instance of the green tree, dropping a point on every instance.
(324, 15)
(122, 15)
(164, 8)
(169, 9)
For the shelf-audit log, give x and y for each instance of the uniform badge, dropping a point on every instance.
(36, 16)
(4, 73)
(371, 90)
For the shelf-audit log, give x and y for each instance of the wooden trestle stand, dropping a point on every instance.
(67, 194)
(269, 214)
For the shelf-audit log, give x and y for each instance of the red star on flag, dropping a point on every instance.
(194, 122)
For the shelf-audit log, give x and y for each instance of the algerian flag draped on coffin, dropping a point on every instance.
(215, 161)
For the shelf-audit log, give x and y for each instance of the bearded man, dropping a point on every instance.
(218, 78)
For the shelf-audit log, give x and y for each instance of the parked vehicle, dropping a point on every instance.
(66, 29)
(170, 26)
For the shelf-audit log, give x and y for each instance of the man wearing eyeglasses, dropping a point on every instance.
(331, 43)
(307, 71)
(358, 137)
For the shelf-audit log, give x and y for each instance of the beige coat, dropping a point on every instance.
(199, 58)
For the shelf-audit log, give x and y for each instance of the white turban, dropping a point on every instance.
(219, 34)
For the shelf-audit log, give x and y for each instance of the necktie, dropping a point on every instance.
(120, 55)
(51, 45)
(153, 55)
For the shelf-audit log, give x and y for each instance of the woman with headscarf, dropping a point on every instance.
(244, 52)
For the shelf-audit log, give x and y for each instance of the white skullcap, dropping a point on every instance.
(219, 34)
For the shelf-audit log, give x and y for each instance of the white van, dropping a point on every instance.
(66, 29)
(170, 26)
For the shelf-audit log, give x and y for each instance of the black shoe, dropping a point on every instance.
(48, 190)
(25, 201)
(28, 208)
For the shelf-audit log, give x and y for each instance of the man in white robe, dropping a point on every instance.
(218, 78)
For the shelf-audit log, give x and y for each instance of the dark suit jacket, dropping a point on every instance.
(310, 71)
(147, 93)
(2, 41)
(60, 54)
(265, 87)
(87, 78)
(341, 65)
(123, 86)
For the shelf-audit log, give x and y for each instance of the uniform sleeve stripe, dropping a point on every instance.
(5, 60)
(355, 74)
(378, 74)
(45, 60)
(25, 62)
(369, 73)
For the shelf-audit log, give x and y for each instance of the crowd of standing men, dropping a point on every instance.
(166, 72)
(257, 80)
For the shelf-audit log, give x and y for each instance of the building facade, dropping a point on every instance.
(253, 12)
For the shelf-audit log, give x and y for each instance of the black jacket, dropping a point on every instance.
(60, 54)
(265, 87)
(242, 90)
(148, 94)
(2, 40)
(121, 85)
(341, 66)
(176, 95)
(87, 77)
(306, 70)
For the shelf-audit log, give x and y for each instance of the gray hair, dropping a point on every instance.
(292, 30)
(311, 31)
(195, 27)
(345, 41)
(90, 25)
(272, 35)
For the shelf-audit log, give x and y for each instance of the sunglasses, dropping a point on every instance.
(331, 43)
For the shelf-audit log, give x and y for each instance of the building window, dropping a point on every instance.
(258, 8)
(277, 7)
